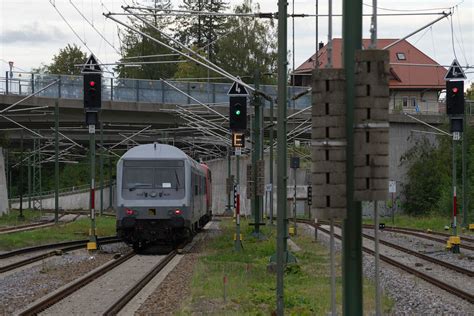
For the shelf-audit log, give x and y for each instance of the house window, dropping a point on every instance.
(405, 101)
(413, 102)
(401, 56)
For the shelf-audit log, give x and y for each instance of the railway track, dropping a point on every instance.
(427, 236)
(52, 303)
(438, 283)
(120, 303)
(74, 286)
(63, 247)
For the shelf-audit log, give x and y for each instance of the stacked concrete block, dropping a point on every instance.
(328, 144)
(371, 125)
(250, 183)
(260, 178)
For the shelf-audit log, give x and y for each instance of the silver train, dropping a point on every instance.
(163, 195)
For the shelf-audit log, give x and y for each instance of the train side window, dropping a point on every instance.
(196, 185)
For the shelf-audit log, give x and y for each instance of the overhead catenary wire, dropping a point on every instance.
(95, 29)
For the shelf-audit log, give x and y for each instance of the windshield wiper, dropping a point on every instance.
(177, 179)
(133, 186)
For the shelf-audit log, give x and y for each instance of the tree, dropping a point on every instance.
(136, 45)
(202, 30)
(251, 45)
(64, 62)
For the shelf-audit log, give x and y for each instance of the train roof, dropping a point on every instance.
(155, 151)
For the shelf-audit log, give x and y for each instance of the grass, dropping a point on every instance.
(62, 232)
(251, 289)
(11, 218)
(433, 222)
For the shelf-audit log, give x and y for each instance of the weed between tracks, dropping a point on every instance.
(433, 222)
(250, 289)
(62, 232)
(11, 218)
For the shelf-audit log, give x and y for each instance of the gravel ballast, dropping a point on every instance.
(27, 285)
(412, 295)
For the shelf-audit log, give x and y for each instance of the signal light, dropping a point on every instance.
(177, 212)
(129, 211)
(455, 97)
(238, 113)
(92, 92)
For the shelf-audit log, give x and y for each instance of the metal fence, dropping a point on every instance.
(134, 90)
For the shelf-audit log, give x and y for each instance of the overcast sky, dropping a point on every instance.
(32, 31)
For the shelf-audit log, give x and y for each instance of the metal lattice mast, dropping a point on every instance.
(37, 203)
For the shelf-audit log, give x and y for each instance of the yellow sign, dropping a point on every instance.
(238, 139)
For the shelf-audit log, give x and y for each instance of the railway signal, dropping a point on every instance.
(238, 113)
(92, 83)
(92, 92)
(455, 97)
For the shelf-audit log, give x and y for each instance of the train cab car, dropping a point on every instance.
(161, 195)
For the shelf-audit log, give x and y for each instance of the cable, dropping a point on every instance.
(407, 10)
(462, 41)
(95, 29)
(53, 3)
(452, 37)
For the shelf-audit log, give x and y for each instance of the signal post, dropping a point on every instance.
(238, 125)
(455, 110)
(92, 83)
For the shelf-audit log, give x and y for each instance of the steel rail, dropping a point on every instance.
(465, 238)
(423, 235)
(447, 287)
(69, 245)
(74, 286)
(424, 257)
(119, 304)
(11, 229)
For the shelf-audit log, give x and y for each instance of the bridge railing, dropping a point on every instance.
(134, 90)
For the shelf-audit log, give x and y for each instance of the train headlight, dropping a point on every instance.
(129, 212)
(178, 211)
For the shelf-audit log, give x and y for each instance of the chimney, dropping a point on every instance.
(321, 45)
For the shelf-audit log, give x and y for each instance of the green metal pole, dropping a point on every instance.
(465, 184)
(56, 162)
(282, 150)
(271, 160)
(92, 235)
(454, 207)
(21, 217)
(352, 229)
(228, 177)
(101, 169)
(256, 126)
(238, 241)
(29, 179)
(110, 182)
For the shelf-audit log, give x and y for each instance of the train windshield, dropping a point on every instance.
(160, 179)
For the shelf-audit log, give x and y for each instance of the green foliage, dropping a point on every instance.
(428, 174)
(63, 63)
(251, 46)
(251, 288)
(202, 30)
(63, 232)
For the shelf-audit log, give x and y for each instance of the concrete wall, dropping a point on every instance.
(3, 185)
(73, 200)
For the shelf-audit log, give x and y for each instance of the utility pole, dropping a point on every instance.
(352, 227)
(271, 137)
(110, 183)
(256, 126)
(465, 184)
(101, 168)
(56, 162)
(29, 179)
(21, 217)
(282, 151)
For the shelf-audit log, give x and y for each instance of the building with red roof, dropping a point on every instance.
(416, 80)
